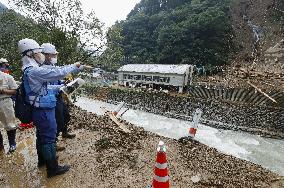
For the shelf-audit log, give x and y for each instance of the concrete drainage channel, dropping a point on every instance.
(263, 151)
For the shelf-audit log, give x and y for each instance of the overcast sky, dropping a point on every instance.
(108, 11)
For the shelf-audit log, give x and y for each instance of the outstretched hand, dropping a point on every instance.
(78, 64)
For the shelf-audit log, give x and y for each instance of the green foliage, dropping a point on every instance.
(61, 23)
(177, 32)
(67, 16)
(199, 39)
(113, 56)
(140, 34)
(15, 27)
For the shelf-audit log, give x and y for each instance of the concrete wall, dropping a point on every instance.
(238, 95)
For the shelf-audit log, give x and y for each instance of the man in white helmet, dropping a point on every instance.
(61, 111)
(8, 88)
(50, 53)
(36, 79)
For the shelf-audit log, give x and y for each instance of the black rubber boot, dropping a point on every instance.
(12, 140)
(53, 169)
(40, 160)
(41, 163)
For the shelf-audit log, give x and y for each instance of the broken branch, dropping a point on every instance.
(260, 91)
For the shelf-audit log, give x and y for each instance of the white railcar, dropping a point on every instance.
(148, 74)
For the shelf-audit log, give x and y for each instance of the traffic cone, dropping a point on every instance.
(118, 108)
(196, 117)
(161, 178)
(192, 131)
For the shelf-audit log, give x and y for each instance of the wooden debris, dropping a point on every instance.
(116, 120)
(259, 90)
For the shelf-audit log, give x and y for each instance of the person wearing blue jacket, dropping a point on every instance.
(36, 79)
(61, 110)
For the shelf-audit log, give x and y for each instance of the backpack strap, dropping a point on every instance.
(37, 93)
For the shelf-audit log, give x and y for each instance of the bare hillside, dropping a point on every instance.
(260, 47)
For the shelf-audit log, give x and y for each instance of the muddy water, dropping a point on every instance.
(263, 151)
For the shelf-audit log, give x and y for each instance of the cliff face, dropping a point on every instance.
(256, 27)
(258, 35)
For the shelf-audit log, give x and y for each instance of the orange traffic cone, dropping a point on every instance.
(196, 118)
(161, 178)
(192, 131)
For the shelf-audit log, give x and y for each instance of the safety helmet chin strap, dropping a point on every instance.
(30, 53)
(25, 53)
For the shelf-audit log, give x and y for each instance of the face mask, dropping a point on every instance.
(53, 61)
(40, 58)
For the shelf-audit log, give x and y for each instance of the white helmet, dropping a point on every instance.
(26, 45)
(3, 60)
(48, 48)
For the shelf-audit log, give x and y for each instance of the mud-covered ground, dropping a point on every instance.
(103, 156)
